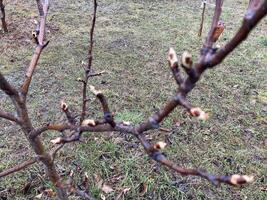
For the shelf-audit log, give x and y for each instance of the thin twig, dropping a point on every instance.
(97, 74)
(3, 16)
(251, 19)
(217, 13)
(43, 10)
(9, 116)
(104, 103)
(202, 18)
(89, 66)
(18, 167)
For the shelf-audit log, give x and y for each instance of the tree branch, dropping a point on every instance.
(217, 13)
(202, 18)
(9, 116)
(107, 114)
(65, 109)
(250, 20)
(154, 152)
(43, 10)
(7, 87)
(89, 66)
(18, 167)
(3, 16)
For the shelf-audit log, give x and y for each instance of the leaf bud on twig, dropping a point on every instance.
(88, 122)
(200, 114)
(187, 60)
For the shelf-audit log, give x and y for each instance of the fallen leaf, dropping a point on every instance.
(102, 197)
(106, 188)
(143, 189)
(49, 193)
(38, 197)
(123, 192)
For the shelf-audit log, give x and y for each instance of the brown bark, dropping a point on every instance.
(3, 16)
(186, 83)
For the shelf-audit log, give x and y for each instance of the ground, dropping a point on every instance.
(131, 43)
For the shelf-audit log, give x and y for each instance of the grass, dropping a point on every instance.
(131, 43)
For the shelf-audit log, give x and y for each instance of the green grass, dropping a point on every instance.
(131, 43)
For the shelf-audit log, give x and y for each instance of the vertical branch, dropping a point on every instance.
(90, 51)
(18, 167)
(89, 66)
(9, 116)
(217, 13)
(251, 19)
(43, 10)
(202, 18)
(3, 16)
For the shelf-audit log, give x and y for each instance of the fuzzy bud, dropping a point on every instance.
(35, 22)
(49, 193)
(88, 122)
(34, 34)
(187, 60)
(200, 114)
(71, 173)
(58, 140)
(172, 58)
(126, 123)
(239, 180)
(160, 145)
(64, 106)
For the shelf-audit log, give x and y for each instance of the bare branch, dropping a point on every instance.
(217, 13)
(97, 74)
(174, 65)
(202, 18)
(99, 127)
(65, 109)
(156, 155)
(3, 16)
(89, 66)
(91, 43)
(18, 167)
(9, 116)
(43, 10)
(107, 114)
(209, 58)
(7, 87)
(250, 20)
